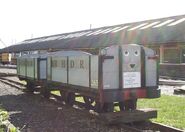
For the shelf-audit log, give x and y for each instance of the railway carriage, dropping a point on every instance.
(5, 58)
(8, 58)
(119, 74)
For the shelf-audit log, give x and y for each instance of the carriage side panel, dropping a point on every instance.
(94, 72)
(79, 70)
(59, 69)
(111, 69)
(30, 67)
(151, 67)
(22, 62)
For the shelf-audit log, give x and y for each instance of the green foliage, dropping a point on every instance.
(3, 116)
(1, 129)
(3, 120)
(23, 82)
(13, 129)
(171, 109)
(56, 92)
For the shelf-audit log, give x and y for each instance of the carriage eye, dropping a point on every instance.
(126, 53)
(136, 53)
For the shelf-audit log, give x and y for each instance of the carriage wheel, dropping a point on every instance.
(30, 87)
(70, 98)
(131, 104)
(45, 92)
(63, 95)
(121, 106)
(108, 107)
(88, 101)
(98, 108)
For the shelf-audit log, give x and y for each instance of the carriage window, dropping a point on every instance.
(171, 56)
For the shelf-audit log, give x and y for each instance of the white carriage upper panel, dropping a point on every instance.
(94, 71)
(21, 66)
(150, 67)
(59, 69)
(111, 67)
(79, 70)
(30, 67)
(67, 53)
(77, 64)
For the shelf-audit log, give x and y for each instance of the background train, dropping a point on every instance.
(8, 58)
(119, 74)
(11, 58)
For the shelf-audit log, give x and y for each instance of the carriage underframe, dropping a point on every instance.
(101, 101)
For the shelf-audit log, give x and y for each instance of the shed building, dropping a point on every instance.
(166, 36)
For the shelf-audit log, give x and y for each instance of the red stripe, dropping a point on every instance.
(138, 93)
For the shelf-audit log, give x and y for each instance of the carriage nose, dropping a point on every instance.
(132, 65)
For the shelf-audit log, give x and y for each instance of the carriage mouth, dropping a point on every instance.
(132, 65)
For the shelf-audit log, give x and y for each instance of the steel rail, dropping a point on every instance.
(135, 127)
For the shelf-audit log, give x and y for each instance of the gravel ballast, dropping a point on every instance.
(33, 113)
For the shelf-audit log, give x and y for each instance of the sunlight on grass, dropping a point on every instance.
(23, 82)
(171, 109)
(56, 92)
(3, 116)
(80, 99)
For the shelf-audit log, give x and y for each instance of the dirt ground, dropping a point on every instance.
(33, 113)
(4, 70)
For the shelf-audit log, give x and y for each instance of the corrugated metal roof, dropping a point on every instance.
(157, 31)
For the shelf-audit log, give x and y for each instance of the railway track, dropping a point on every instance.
(7, 74)
(8, 66)
(147, 126)
(12, 83)
(133, 127)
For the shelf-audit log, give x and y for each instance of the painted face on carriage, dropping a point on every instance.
(131, 66)
(131, 58)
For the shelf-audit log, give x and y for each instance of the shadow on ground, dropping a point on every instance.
(33, 112)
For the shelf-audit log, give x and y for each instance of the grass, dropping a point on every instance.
(3, 116)
(56, 92)
(79, 99)
(171, 110)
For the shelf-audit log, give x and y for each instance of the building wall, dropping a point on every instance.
(172, 60)
(175, 71)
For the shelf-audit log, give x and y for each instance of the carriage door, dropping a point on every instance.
(42, 68)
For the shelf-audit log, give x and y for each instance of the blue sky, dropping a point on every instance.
(23, 19)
